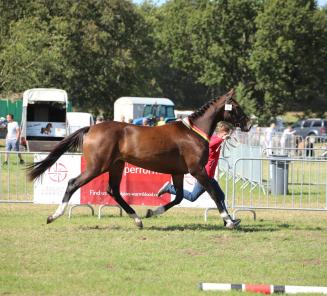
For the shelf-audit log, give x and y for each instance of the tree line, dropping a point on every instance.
(272, 51)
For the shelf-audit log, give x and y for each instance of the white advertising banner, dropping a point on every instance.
(45, 129)
(51, 186)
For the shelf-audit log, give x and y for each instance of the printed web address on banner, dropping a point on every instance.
(99, 193)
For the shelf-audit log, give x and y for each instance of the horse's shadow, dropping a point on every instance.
(258, 227)
(212, 227)
(188, 227)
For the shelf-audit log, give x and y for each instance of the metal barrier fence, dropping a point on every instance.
(299, 152)
(259, 137)
(14, 185)
(316, 140)
(254, 142)
(287, 184)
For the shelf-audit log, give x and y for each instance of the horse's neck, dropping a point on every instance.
(207, 122)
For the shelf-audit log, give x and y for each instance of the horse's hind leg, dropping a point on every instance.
(73, 185)
(178, 184)
(202, 177)
(115, 175)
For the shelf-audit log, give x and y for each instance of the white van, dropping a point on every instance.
(180, 114)
(77, 120)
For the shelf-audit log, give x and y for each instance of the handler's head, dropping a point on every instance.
(224, 127)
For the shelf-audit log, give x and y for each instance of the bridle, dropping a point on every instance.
(228, 108)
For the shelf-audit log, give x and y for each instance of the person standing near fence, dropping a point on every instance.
(286, 139)
(269, 133)
(12, 138)
(224, 130)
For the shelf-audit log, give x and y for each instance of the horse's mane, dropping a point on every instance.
(199, 112)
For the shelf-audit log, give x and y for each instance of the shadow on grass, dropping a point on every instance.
(104, 228)
(256, 227)
(190, 227)
(210, 227)
(297, 227)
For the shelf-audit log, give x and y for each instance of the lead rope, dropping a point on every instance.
(230, 143)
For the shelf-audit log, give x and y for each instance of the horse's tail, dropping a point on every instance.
(72, 143)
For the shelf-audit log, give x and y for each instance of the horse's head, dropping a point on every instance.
(234, 113)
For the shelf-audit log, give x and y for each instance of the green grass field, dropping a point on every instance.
(170, 256)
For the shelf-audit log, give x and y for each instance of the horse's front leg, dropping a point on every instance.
(217, 195)
(178, 185)
(116, 171)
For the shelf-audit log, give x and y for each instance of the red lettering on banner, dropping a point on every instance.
(138, 187)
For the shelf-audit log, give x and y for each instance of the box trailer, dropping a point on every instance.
(44, 120)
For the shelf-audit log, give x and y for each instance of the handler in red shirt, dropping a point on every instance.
(224, 130)
(214, 152)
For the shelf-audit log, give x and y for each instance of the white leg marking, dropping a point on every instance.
(136, 218)
(225, 216)
(60, 210)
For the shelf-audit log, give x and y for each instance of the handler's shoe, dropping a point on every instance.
(163, 189)
(233, 224)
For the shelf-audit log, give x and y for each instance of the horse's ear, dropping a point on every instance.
(230, 95)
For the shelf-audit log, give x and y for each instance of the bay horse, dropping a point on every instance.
(176, 148)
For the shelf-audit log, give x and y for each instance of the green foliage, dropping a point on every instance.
(208, 42)
(287, 57)
(106, 54)
(30, 56)
(244, 96)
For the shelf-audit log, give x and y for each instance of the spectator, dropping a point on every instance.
(286, 138)
(269, 133)
(145, 122)
(12, 138)
(161, 121)
(99, 119)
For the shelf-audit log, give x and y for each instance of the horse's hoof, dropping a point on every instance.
(149, 213)
(139, 224)
(233, 224)
(49, 220)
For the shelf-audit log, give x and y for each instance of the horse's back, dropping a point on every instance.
(145, 139)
